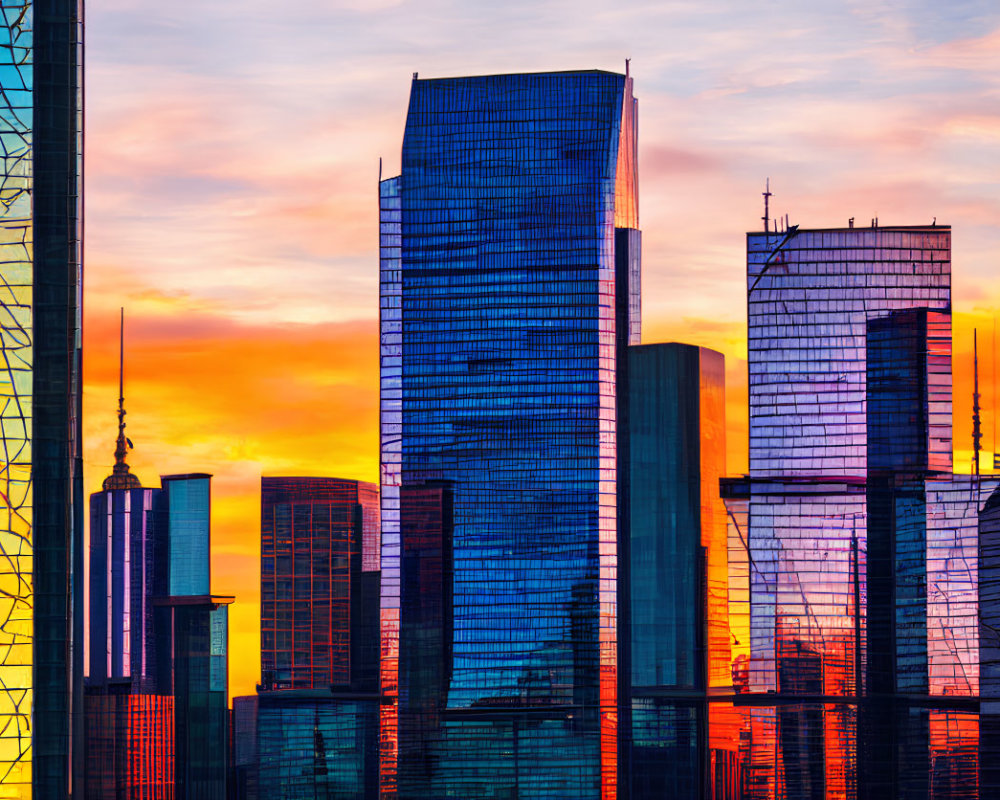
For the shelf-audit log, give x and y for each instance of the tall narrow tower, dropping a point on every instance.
(41, 490)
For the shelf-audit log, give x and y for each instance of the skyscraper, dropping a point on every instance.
(192, 630)
(316, 712)
(676, 582)
(319, 583)
(41, 666)
(857, 544)
(156, 700)
(125, 568)
(129, 751)
(509, 292)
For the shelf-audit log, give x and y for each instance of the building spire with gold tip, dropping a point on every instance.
(120, 477)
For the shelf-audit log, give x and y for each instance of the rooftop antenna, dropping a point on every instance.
(767, 198)
(977, 433)
(120, 477)
(627, 60)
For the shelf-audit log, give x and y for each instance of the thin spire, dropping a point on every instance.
(767, 196)
(977, 434)
(120, 477)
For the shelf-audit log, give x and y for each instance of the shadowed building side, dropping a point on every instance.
(677, 570)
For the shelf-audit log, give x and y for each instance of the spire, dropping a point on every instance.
(977, 433)
(120, 477)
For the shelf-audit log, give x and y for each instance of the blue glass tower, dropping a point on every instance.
(509, 292)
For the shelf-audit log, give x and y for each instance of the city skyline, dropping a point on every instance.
(211, 310)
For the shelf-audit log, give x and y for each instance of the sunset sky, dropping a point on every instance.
(232, 155)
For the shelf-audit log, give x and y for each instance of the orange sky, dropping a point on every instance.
(231, 163)
(241, 400)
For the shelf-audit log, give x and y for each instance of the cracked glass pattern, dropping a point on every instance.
(502, 326)
(16, 275)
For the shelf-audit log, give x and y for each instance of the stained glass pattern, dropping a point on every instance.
(16, 277)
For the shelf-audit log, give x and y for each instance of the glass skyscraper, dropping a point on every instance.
(509, 293)
(156, 700)
(853, 548)
(315, 717)
(41, 666)
(319, 583)
(677, 578)
(129, 751)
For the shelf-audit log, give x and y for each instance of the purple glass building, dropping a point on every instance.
(853, 564)
(156, 696)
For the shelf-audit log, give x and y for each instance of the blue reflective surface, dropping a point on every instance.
(502, 386)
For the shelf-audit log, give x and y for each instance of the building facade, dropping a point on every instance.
(243, 727)
(156, 696)
(989, 647)
(676, 580)
(41, 536)
(315, 727)
(509, 292)
(319, 583)
(853, 547)
(316, 744)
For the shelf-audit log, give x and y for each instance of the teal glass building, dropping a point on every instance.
(509, 292)
(316, 744)
(676, 582)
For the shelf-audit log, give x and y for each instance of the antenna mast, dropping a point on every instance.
(977, 433)
(767, 197)
(120, 477)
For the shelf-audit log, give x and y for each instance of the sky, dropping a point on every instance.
(232, 155)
